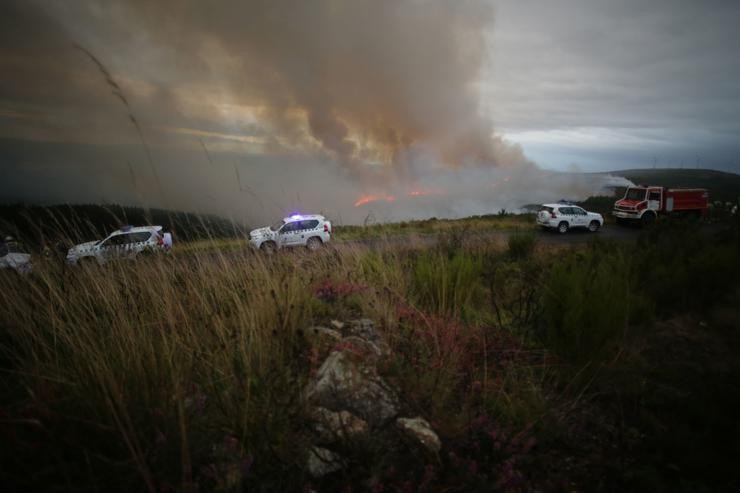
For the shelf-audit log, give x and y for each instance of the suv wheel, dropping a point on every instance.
(313, 243)
(268, 247)
(594, 226)
(563, 227)
(88, 262)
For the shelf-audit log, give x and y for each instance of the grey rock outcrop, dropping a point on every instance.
(331, 426)
(348, 399)
(420, 431)
(322, 461)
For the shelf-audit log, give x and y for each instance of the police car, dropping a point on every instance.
(307, 230)
(126, 243)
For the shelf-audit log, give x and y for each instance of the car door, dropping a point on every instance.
(138, 243)
(114, 246)
(580, 217)
(654, 197)
(567, 214)
(288, 235)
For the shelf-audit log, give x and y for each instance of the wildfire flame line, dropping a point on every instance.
(382, 197)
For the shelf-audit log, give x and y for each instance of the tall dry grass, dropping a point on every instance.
(181, 369)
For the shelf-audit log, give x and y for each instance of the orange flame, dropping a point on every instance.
(366, 199)
(417, 192)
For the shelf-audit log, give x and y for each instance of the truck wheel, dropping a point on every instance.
(268, 247)
(563, 227)
(594, 226)
(313, 243)
(648, 219)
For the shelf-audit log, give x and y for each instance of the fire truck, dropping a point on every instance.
(644, 204)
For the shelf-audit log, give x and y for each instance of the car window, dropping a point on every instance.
(116, 240)
(123, 239)
(579, 211)
(567, 211)
(3, 249)
(290, 227)
(654, 196)
(140, 237)
(310, 224)
(548, 209)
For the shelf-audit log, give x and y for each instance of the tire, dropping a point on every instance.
(563, 228)
(647, 219)
(88, 263)
(314, 243)
(268, 247)
(594, 226)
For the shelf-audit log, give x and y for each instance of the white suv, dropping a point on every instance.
(125, 243)
(310, 231)
(562, 217)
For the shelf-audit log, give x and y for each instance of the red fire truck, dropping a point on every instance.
(643, 204)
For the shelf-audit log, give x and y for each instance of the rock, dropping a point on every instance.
(342, 384)
(322, 461)
(362, 346)
(365, 329)
(337, 324)
(419, 430)
(331, 426)
(319, 332)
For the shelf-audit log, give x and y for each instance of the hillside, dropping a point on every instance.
(721, 185)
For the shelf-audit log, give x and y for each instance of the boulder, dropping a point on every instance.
(330, 426)
(324, 333)
(361, 346)
(343, 384)
(365, 329)
(322, 461)
(420, 431)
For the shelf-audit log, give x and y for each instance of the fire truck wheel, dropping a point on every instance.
(563, 228)
(648, 218)
(594, 226)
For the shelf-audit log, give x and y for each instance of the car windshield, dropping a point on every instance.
(635, 194)
(277, 225)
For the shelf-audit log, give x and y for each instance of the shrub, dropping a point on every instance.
(587, 303)
(447, 286)
(521, 244)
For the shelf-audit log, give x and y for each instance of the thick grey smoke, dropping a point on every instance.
(256, 108)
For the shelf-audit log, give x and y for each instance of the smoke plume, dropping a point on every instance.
(305, 104)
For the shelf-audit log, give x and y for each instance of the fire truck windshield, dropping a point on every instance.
(635, 194)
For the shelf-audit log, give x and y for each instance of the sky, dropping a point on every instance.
(367, 110)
